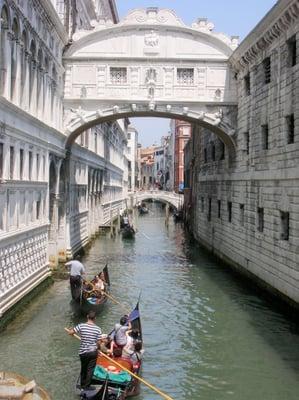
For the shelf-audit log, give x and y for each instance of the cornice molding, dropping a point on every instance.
(279, 18)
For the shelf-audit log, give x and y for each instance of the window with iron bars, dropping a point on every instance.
(185, 76)
(118, 76)
(267, 70)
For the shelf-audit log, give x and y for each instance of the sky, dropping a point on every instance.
(233, 17)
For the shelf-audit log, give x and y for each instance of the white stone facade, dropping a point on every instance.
(51, 200)
(246, 210)
(132, 155)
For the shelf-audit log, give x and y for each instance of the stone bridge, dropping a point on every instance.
(150, 64)
(172, 198)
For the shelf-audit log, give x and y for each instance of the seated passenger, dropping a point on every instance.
(119, 337)
(99, 284)
(132, 338)
(104, 344)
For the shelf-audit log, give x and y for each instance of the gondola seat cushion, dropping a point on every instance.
(121, 377)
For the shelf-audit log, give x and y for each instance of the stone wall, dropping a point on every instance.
(246, 207)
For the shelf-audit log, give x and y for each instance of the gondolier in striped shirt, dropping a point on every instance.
(90, 335)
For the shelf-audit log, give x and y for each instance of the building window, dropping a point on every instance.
(246, 142)
(265, 137)
(1, 160)
(292, 51)
(222, 151)
(202, 204)
(21, 163)
(38, 203)
(11, 162)
(185, 76)
(284, 223)
(290, 122)
(213, 151)
(229, 211)
(37, 167)
(30, 165)
(260, 219)
(219, 208)
(205, 155)
(247, 84)
(267, 70)
(210, 209)
(118, 76)
(242, 208)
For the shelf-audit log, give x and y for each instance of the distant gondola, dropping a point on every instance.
(110, 381)
(142, 209)
(91, 298)
(128, 232)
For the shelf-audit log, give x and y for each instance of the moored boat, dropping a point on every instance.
(15, 386)
(93, 298)
(112, 376)
(128, 232)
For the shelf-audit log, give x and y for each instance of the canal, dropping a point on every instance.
(207, 336)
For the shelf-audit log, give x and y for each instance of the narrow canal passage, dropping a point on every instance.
(206, 335)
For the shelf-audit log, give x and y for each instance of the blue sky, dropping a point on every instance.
(233, 17)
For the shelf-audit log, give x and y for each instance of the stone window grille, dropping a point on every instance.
(219, 208)
(247, 84)
(292, 51)
(267, 70)
(205, 155)
(21, 163)
(213, 151)
(290, 122)
(246, 142)
(210, 209)
(202, 204)
(222, 150)
(242, 211)
(185, 76)
(30, 165)
(285, 225)
(260, 219)
(229, 211)
(118, 76)
(1, 160)
(265, 137)
(11, 162)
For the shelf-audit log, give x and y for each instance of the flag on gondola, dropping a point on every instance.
(134, 314)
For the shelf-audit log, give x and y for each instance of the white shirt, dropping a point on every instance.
(77, 268)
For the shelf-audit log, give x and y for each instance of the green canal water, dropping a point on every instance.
(207, 336)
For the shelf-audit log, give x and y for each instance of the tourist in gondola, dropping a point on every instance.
(77, 270)
(119, 337)
(132, 338)
(90, 335)
(104, 344)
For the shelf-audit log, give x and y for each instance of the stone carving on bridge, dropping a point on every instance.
(151, 39)
(152, 16)
(150, 80)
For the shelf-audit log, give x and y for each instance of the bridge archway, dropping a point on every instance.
(150, 64)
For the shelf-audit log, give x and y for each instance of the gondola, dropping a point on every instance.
(109, 380)
(90, 298)
(128, 232)
(14, 386)
(143, 210)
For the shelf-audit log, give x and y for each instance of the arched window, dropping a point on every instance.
(32, 71)
(13, 60)
(23, 65)
(3, 39)
(39, 78)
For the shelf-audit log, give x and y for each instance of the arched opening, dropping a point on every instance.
(52, 194)
(32, 71)
(53, 92)
(3, 41)
(39, 80)
(62, 196)
(23, 66)
(13, 59)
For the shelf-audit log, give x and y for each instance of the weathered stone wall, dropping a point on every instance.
(247, 210)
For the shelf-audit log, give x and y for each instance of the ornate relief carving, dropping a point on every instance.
(151, 39)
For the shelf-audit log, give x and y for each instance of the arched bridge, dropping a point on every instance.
(172, 198)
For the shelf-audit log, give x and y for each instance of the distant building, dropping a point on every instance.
(132, 155)
(147, 167)
(180, 133)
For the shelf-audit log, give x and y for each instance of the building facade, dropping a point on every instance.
(132, 155)
(51, 201)
(244, 206)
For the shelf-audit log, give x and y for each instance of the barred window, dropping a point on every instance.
(210, 209)
(260, 219)
(267, 70)
(118, 76)
(292, 51)
(242, 210)
(265, 137)
(247, 84)
(290, 128)
(219, 208)
(229, 211)
(285, 222)
(185, 76)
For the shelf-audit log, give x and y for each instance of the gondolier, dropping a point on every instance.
(77, 271)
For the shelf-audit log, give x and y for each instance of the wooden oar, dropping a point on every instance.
(114, 300)
(154, 388)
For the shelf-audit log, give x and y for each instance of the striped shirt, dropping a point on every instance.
(90, 334)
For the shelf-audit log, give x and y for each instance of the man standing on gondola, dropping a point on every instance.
(90, 335)
(77, 271)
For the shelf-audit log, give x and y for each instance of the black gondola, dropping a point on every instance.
(128, 232)
(91, 298)
(110, 379)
